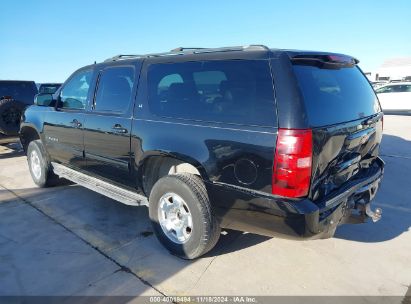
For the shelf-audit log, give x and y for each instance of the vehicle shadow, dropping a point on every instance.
(11, 150)
(10, 154)
(124, 234)
(393, 197)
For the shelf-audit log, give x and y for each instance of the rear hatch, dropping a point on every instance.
(344, 115)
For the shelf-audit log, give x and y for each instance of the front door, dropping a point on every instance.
(107, 125)
(63, 131)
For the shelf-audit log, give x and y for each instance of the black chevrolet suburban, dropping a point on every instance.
(268, 141)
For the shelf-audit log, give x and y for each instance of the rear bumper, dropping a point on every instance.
(258, 213)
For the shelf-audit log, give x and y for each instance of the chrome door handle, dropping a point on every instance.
(75, 123)
(117, 128)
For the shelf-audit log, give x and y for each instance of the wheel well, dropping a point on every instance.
(156, 167)
(27, 135)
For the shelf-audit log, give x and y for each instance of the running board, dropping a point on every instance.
(97, 185)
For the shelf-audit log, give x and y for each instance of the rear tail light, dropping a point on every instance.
(292, 163)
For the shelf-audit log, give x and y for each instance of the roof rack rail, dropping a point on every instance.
(220, 49)
(193, 50)
(121, 56)
(256, 46)
(182, 49)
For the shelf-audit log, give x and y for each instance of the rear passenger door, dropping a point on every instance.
(107, 126)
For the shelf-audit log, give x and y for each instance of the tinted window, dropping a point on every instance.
(114, 89)
(48, 88)
(388, 89)
(75, 91)
(234, 91)
(168, 80)
(335, 95)
(402, 88)
(19, 90)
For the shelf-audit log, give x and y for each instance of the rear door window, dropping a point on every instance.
(335, 95)
(232, 91)
(114, 89)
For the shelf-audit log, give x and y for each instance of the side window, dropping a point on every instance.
(167, 81)
(114, 89)
(389, 89)
(209, 81)
(404, 88)
(229, 91)
(74, 93)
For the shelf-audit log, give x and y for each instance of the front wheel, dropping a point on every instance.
(182, 217)
(40, 168)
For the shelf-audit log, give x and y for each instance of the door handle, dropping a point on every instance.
(117, 128)
(75, 123)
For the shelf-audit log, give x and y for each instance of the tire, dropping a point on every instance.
(187, 194)
(39, 166)
(10, 114)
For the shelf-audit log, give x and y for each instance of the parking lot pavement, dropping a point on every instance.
(71, 241)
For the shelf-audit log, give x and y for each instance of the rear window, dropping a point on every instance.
(335, 95)
(232, 91)
(23, 91)
(48, 88)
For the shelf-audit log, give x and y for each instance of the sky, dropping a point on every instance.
(47, 40)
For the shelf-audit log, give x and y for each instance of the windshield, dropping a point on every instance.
(335, 95)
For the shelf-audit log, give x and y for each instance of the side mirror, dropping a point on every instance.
(43, 99)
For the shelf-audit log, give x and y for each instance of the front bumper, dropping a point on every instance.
(244, 210)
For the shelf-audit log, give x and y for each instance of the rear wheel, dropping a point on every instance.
(39, 166)
(182, 217)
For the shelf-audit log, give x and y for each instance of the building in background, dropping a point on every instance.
(395, 69)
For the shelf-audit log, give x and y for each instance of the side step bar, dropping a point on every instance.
(117, 193)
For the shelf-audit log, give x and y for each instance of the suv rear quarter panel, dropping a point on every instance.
(222, 154)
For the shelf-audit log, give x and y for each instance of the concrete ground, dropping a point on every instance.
(68, 240)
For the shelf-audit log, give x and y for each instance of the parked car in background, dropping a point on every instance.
(49, 88)
(269, 141)
(377, 84)
(15, 96)
(395, 98)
